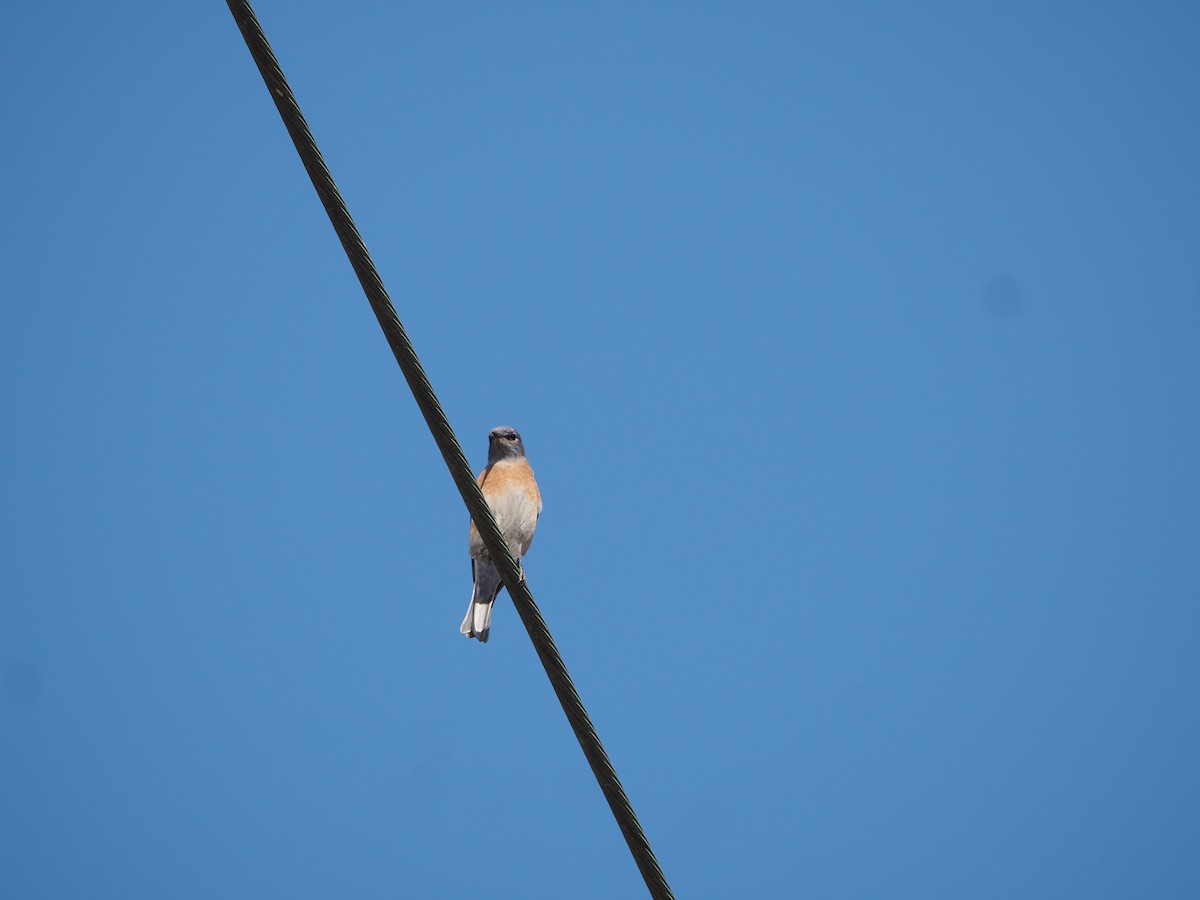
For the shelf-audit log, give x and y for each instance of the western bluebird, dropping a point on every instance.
(512, 493)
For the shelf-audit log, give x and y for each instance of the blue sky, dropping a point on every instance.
(854, 347)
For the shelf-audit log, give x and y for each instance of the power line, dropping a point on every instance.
(443, 434)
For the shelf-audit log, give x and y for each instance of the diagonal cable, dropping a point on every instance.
(443, 434)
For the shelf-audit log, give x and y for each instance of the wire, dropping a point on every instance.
(443, 434)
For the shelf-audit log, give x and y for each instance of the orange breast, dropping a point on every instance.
(513, 495)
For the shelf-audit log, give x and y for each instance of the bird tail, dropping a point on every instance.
(478, 620)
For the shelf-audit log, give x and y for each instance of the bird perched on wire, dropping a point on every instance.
(512, 493)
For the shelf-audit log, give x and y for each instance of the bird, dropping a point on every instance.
(512, 492)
